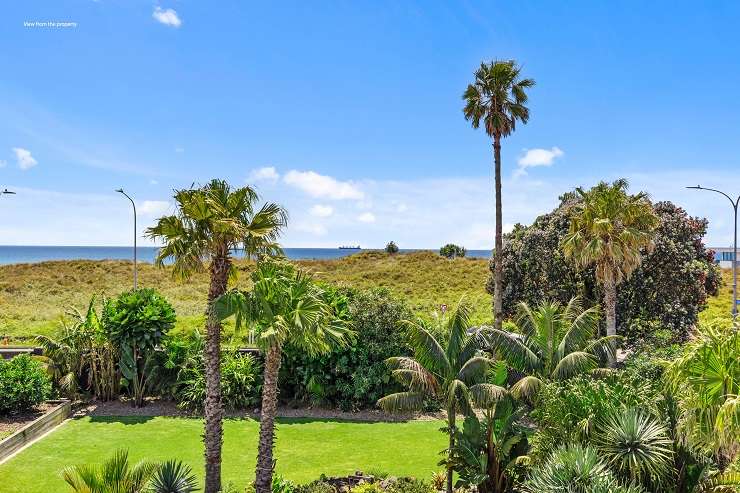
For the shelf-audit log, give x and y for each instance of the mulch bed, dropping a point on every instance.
(13, 423)
(158, 407)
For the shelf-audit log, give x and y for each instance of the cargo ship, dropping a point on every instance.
(350, 247)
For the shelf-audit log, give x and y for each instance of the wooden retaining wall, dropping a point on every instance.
(35, 429)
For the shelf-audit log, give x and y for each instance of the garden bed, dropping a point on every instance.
(20, 430)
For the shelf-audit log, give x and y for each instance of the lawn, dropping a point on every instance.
(305, 448)
(33, 297)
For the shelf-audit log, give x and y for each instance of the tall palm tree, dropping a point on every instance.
(554, 342)
(452, 376)
(285, 307)
(210, 222)
(497, 98)
(609, 229)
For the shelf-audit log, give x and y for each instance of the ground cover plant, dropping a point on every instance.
(305, 449)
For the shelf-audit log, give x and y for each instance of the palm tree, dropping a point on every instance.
(706, 380)
(210, 222)
(497, 98)
(285, 307)
(451, 376)
(609, 229)
(554, 342)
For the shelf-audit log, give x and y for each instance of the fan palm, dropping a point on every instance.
(449, 376)
(707, 381)
(285, 307)
(554, 342)
(497, 98)
(113, 476)
(608, 229)
(637, 446)
(210, 222)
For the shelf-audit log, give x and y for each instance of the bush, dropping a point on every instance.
(139, 318)
(314, 487)
(451, 250)
(666, 292)
(241, 381)
(410, 485)
(353, 377)
(23, 384)
(391, 247)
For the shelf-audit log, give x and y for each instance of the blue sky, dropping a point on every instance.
(349, 113)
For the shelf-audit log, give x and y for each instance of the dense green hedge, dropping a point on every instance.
(23, 384)
(356, 376)
(668, 290)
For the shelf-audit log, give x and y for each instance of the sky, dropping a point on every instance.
(349, 114)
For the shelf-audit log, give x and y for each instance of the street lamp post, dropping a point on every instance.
(7, 192)
(735, 204)
(120, 190)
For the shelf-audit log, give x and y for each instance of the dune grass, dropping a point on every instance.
(720, 306)
(305, 448)
(34, 297)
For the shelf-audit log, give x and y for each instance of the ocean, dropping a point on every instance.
(33, 254)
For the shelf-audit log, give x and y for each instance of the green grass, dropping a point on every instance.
(305, 448)
(720, 306)
(33, 297)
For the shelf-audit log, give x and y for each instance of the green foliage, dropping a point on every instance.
(409, 485)
(367, 488)
(173, 476)
(391, 247)
(575, 469)
(352, 377)
(23, 384)
(314, 487)
(113, 476)
(667, 291)
(552, 342)
(139, 319)
(451, 250)
(81, 359)
(241, 381)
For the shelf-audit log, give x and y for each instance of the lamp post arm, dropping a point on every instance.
(133, 204)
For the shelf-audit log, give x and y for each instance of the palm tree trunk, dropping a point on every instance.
(265, 464)
(451, 415)
(213, 410)
(610, 306)
(498, 252)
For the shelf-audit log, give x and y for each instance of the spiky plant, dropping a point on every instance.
(449, 376)
(112, 476)
(173, 476)
(554, 342)
(637, 446)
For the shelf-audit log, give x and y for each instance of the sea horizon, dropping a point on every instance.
(29, 254)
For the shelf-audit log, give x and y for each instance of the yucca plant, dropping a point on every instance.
(113, 476)
(449, 376)
(173, 476)
(637, 446)
(576, 469)
(554, 342)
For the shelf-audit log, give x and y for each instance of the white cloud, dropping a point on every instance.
(153, 208)
(321, 210)
(313, 229)
(366, 217)
(321, 186)
(537, 157)
(24, 158)
(268, 173)
(168, 17)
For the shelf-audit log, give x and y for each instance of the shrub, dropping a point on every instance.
(391, 247)
(356, 376)
(314, 487)
(670, 287)
(451, 250)
(241, 382)
(23, 384)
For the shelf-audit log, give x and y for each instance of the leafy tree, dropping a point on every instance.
(212, 221)
(555, 342)
(608, 229)
(391, 247)
(668, 289)
(23, 384)
(136, 322)
(286, 308)
(450, 376)
(706, 380)
(356, 376)
(497, 98)
(451, 250)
